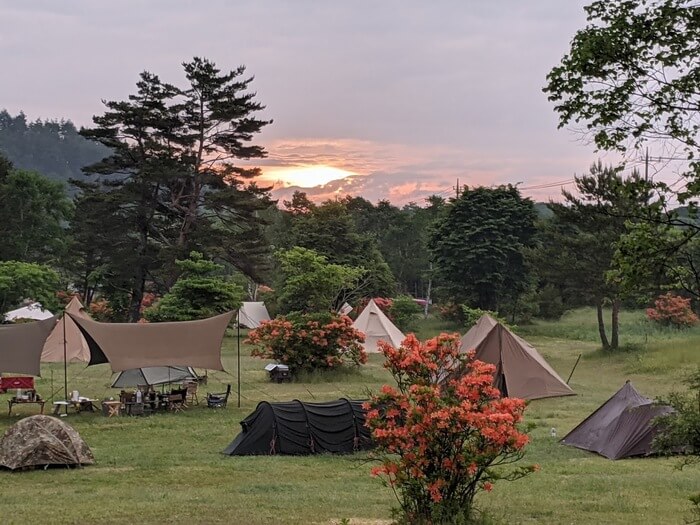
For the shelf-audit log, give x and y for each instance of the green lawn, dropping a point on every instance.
(167, 468)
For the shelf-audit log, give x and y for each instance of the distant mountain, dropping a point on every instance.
(52, 147)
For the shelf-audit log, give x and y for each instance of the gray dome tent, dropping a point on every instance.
(300, 428)
(622, 427)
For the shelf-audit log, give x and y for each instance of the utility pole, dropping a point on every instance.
(456, 188)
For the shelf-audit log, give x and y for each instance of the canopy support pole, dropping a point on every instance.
(238, 343)
(65, 361)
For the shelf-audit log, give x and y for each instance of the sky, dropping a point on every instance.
(394, 100)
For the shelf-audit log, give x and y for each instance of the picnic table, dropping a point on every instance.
(15, 401)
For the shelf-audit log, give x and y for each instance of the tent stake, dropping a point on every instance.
(574, 368)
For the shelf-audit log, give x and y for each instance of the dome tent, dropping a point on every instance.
(301, 428)
(40, 441)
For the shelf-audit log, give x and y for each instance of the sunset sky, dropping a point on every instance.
(390, 100)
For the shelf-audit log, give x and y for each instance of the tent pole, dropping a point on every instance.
(65, 361)
(238, 343)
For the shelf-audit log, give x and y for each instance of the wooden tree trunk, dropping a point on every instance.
(614, 338)
(601, 326)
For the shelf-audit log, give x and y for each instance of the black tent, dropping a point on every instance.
(622, 427)
(301, 428)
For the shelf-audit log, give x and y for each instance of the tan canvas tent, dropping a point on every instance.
(377, 327)
(21, 346)
(137, 345)
(521, 371)
(76, 347)
(252, 314)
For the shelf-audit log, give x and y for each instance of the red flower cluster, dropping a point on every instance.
(309, 341)
(439, 434)
(672, 310)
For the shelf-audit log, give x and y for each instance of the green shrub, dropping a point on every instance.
(404, 312)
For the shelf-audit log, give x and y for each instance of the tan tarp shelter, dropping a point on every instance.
(622, 427)
(76, 347)
(377, 327)
(21, 346)
(40, 441)
(252, 314)
(521, 371)
(137, 345)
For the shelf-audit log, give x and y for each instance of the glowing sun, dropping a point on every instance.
(305, 176)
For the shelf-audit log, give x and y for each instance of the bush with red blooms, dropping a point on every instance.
(441, 439)
(672, 310)
(309, 341)
(100, 310)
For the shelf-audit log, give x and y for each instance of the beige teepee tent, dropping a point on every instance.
(521, 371)
(76, 347)
(377, 327)
(250, 315)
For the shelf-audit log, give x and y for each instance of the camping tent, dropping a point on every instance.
(38, 441)
(21, 346)
(377, 327)
(300, 428)
(622, 427)
(153, 375)
(32, 311)
(76, 347)
(137, 345)
(520, 370)
(251, 315)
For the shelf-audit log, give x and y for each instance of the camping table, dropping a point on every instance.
(24, 402)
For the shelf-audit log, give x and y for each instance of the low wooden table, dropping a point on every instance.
(111, 408)
(12, 402)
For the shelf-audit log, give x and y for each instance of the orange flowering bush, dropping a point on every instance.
(440, 437)
(672, 310)
(309, 341)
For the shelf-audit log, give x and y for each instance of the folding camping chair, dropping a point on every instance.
(191, 387)
(176, 399)
(218, 400)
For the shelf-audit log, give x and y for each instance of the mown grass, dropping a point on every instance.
(167, 468)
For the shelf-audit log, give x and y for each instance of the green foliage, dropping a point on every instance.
(171, 184)
(631, 76)
(680, 431)
(549, 302)
(309, 342)
(33, 212)
(53, 148)
(477, 246)
(200, 291)
(309, 283)
(404, 312)
(21, 280)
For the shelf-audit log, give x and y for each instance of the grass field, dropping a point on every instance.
(167, 468)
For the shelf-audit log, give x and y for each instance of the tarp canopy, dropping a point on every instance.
(153, 375)
(520, 369)
(377, 327)
(252, 314)
(138, 345)
(300, 428)
(622, 427)
(32, 311)
(21, 345)
(76, 347)
(39, 441)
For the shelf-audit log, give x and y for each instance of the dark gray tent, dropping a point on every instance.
(300, 428)
(622, 427)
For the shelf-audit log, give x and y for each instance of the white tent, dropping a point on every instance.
(252, 314)
(31, 311)
(377, 327)
(76, 347)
